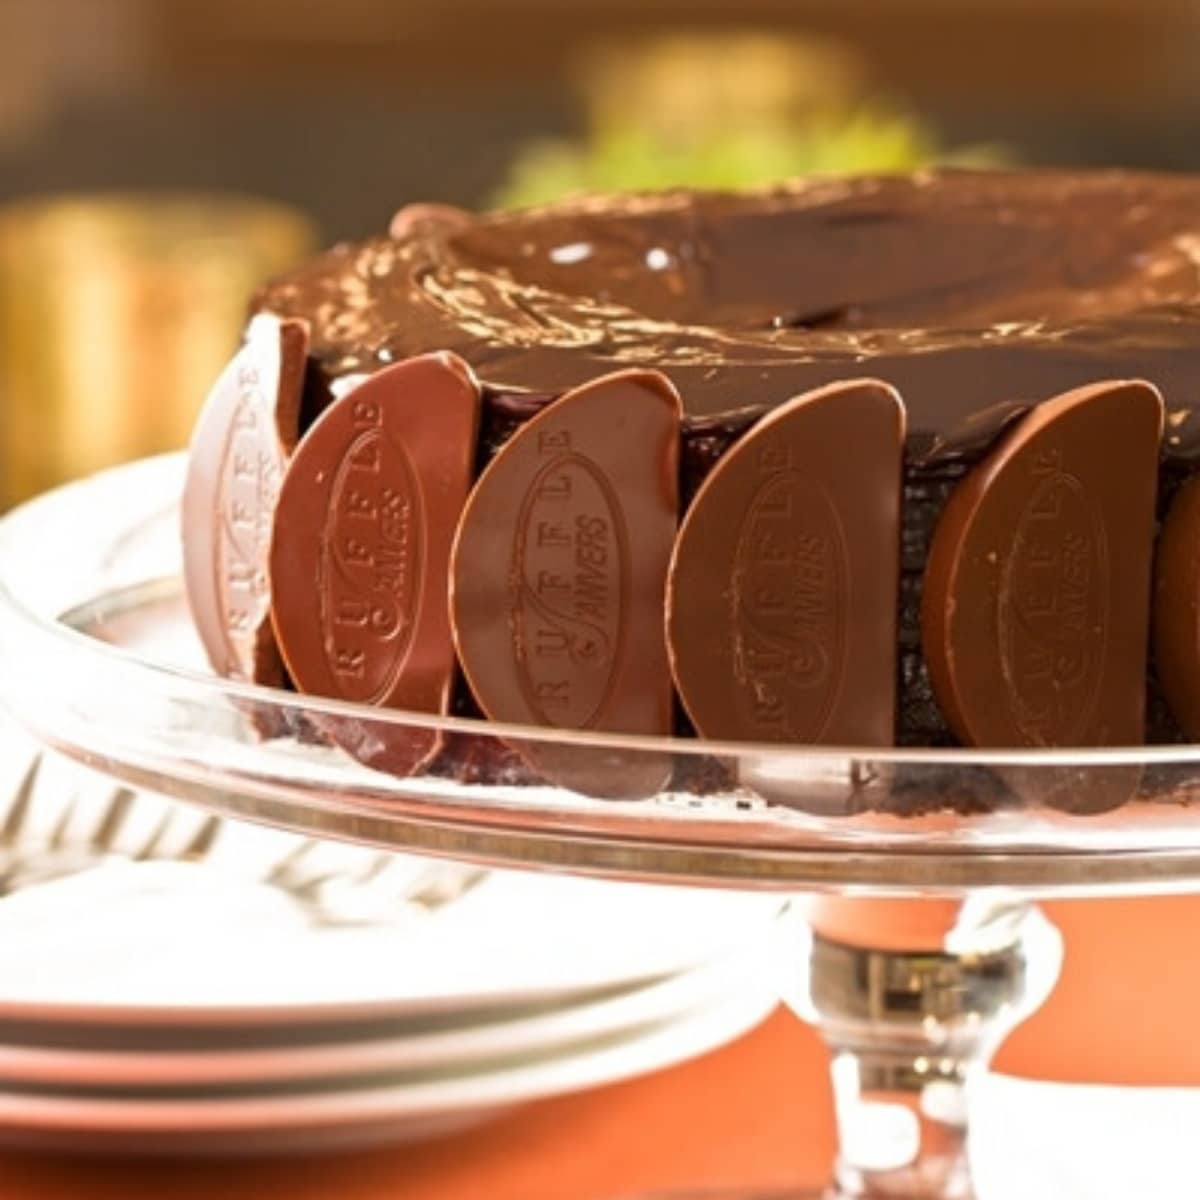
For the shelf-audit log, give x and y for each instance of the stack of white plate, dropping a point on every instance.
(170, 982)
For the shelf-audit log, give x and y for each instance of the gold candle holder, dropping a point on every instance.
(116, 314)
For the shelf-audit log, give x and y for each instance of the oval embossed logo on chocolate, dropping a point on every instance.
(372, 568)
(250, 469)
(1052, 608)
(1035, 605)
(248, 427)
(788, 600)
(360, 552)
(570, 574)
(557, 579)
(782, 590)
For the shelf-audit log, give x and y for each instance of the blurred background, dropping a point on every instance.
(347, 109)
(331, 115)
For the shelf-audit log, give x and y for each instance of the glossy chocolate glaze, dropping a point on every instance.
(977, 295)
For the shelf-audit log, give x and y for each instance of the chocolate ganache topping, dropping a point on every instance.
(976, 294)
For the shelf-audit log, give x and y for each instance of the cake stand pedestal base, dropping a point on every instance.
(910, 1029)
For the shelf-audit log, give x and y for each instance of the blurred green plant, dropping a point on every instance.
(637, 160)
(696, 111)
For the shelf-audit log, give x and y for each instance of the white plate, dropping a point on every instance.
(174, 942)
(410, 1046)
(220, 953)
(1083, 1141)
(389, 1110)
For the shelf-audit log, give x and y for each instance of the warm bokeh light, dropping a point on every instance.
(116, 313)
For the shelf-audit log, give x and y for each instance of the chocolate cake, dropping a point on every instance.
(919, 432)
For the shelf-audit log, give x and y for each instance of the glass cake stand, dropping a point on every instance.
(919, 869)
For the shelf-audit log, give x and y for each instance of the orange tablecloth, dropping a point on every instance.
(757, 1112)
(728, 1118)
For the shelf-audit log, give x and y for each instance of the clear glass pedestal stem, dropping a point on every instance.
(910, 1031)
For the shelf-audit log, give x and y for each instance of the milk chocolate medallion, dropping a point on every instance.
(558, 577)
(782, 590)
(1177, 608)
(360, 548)
(1036, 605)
(247, 429)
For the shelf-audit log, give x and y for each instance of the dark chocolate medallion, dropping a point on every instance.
(782, 592)
(1036, 604)
(558, 577)
(361, 544)
(247, 429)
(1177, 608)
